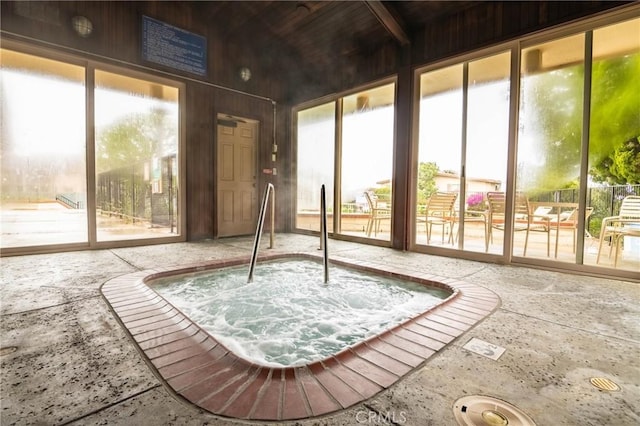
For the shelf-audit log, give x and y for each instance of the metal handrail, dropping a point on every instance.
(324, 235)
(68, 201)
(263, 211)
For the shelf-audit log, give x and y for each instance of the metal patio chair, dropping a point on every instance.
(523, 218)
(376, 215)
(625, 224)
(440, 211)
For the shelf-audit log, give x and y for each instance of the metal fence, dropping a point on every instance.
(71, 200)
(605, 201)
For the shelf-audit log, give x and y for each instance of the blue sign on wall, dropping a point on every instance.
(173, 47)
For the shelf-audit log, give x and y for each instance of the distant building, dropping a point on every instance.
(450, 182)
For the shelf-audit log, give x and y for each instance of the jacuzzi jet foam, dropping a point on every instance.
(288, 316)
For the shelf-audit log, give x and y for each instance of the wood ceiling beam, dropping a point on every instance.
(388, 21)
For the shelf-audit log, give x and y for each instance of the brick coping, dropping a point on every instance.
(204, 372)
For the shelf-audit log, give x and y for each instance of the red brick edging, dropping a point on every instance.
(204, 372)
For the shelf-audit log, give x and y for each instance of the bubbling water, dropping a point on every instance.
(288, 316)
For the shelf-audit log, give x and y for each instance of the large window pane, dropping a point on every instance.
(448, 144)
(367, 163)
(439, 150)
(614, 147)
(487, 141)
(549, 149)
(316, 148)
(137, 134)
(43, 153)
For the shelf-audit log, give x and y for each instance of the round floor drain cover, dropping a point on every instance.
(478, 410)
(604, 384)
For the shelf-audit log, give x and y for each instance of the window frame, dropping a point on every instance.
(337, 181)
(587, 27)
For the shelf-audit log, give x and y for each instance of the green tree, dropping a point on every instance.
(620, 167)
(135, 139)
(427, 172)
(124, 149)
(554, 109)
(555, 101)
(615, 121)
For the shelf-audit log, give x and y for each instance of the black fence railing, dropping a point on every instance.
(605, 201)
(132, 195)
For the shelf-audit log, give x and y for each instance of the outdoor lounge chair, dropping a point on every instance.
(440, 210)
(625, 224)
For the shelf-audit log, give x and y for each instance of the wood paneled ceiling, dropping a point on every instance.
(321, 34)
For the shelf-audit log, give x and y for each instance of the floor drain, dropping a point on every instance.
(604, 384)
(478, 410)
(6, 350)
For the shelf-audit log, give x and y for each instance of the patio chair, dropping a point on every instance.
(472, 216)
(376, 215)
(440, 210)
(625, 224)
(568, 220)
(524, 219)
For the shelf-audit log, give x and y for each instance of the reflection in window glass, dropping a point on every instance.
(614, 145)
(549, 146)
(136, 158)
(367, 163)
(43, 153)
(316, 147)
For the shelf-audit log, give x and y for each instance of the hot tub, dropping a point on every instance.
(224, 378)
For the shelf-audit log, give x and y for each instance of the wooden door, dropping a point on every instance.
(236, 176)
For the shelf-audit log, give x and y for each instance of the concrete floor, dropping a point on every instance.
(65, 359)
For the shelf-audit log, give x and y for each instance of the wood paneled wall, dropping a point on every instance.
(492, 22)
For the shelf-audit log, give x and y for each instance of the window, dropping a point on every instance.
(462, 143)
(549, 141)
(136, 157)
(367, 163)
(316, 148)
(44, 197)
(614, 144)
(551, 167)
(359, 178)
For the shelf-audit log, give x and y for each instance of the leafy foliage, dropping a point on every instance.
(427, 172)
(135, 139)
(556, 98)
(615, 126)
(622, 166)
